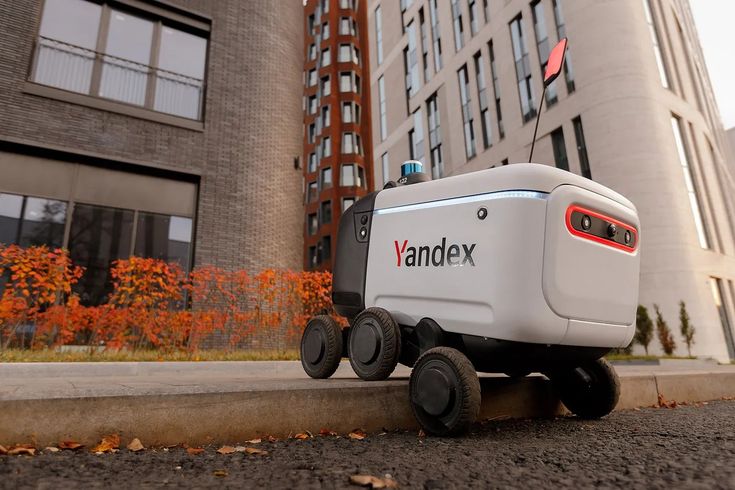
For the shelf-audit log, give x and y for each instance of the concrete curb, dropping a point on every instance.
(340, 405)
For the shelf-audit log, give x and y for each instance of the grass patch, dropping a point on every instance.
(20, 355)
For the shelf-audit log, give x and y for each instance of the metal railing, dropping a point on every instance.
(76, 69)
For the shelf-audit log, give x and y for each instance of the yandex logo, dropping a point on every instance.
(438, 256)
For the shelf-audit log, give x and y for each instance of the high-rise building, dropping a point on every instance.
(337, 131)
(160, 129)
(458, 85)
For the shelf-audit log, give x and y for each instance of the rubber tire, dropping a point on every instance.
(467, 396)
(590, 391)
(331, 334)
(389, 351)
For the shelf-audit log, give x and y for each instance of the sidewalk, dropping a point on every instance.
(198, 402)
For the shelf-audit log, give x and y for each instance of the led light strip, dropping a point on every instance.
(464, 200)
(610, 243)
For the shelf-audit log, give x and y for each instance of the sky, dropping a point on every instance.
(714, 20)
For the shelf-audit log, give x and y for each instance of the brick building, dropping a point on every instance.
(337, 138)
(169, 129)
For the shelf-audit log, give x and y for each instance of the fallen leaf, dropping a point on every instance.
(70, 445)
(22, 449)
(226, 450)
(259, 452)
(108, 444)
(327, 432)
(3, 449)
(220, 473)
(422, 433)
(373, 481)
(195, 450)
(301, 436)
(357, 434)
(135, 445)
(254, 441)
(272, 439)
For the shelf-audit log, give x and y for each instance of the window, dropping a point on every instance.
(424, 46)
(486, 10)
(411, 61)
(312, 192)
(560, 149)
(457, 24)
(312, 224)
(145, 63)
(351, 143)
(325, 211)
(718, 295)
(312, 24)
(349, 82)
(164, 237)
(584, 163)
(385, 167)
(29, 221)
(327, 146)
(379, 34)
(655, 39)
(348, 4)
(347, 202)
(464, 99)
(435, 141)
(311, 80)
(485, 118)
(542, 46)
(345, 53)
(691, 187)
(313, 259)
(347, 27)
(326, 242)
(474, 17)
(523, 70)
(381, 104)
(326, 178)
(325, 116)
(312, 133)
(325, 6)
(326, 86)
(496, 89)
(561, 32)
(312, 104)
(352, 175)
(325, 31)
(326, 57)
(436, 35)
(417, 140)
(312, 162)
(312, 52)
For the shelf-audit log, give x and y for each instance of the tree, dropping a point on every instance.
(643, 327)
(686, 328)
(664, 333)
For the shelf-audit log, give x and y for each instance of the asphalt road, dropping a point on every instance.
(684, 447)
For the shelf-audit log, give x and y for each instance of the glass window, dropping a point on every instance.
(326, 212)
(474, 17)
(312, 162)
(312, 192)
(542, 46)
(718, 295)
(458, 26)
(99, 235)
(345, 82)
(560, 149)
(65, 57)
(424, 46)
(465, 102)
(43, 222)
(325, 31)
(312, 51)
(496, 89)
(11, 207)
(347, 176)
(347, 27)
(379, 33)
(311, 133)
(382, 106)
(523, 70)
(326, 86)
(313, 259)
(655, 39)
(326, 178)
(435, 140)
(326, 57)
(385, 165)
(327, 146)
(348, 143)
(325, 116)
(485, 118)
(347, 202)
(312, 24)
(313, 224)
(164, 237)
(311, 79)
(561, 32)
(417, 148)
(435, 35)
(179, 82)
(345, 53)
(584, 162)
(411, 61)
(312, 104)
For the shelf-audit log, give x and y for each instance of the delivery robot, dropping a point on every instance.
(516, 269)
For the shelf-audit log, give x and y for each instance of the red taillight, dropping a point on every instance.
(597, 227)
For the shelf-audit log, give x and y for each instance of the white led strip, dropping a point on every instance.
(464, 200)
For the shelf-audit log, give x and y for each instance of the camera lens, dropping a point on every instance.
(628, 237)
(611, 230)
(586, 222)
(363, 232)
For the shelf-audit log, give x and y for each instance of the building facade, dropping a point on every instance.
(160, 129)
(458, 86)
(337, 130)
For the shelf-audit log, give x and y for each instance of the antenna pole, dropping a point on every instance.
(538, 117)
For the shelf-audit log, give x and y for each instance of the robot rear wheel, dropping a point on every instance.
(589, 391)
(444, 392)
(374, 344)
(321, 347)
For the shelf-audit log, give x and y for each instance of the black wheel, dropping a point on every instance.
(445, 392)
(589, 391)
(374, 344)
(321, 347)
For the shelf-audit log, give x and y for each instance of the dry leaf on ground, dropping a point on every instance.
(301, 436)
(195, 450)
(373, 481)
(272, 439)
(135, 445)
(665, 404)
(22, 449)
(3, 449)
(226, 450)
(109, 444)
(252, 450)
(220, 473)
(49, 449)
(422, 433)
(254, 441)
(327, 432)
(357, 434)
(70, 445)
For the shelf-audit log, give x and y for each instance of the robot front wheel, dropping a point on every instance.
(444, 392)
(589, 391)
(321, 347)
(374, 344)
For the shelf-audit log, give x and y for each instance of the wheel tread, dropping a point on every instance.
(333, 348)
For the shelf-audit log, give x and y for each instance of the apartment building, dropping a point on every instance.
(457, 84)
(159, 129)
(337, 130)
